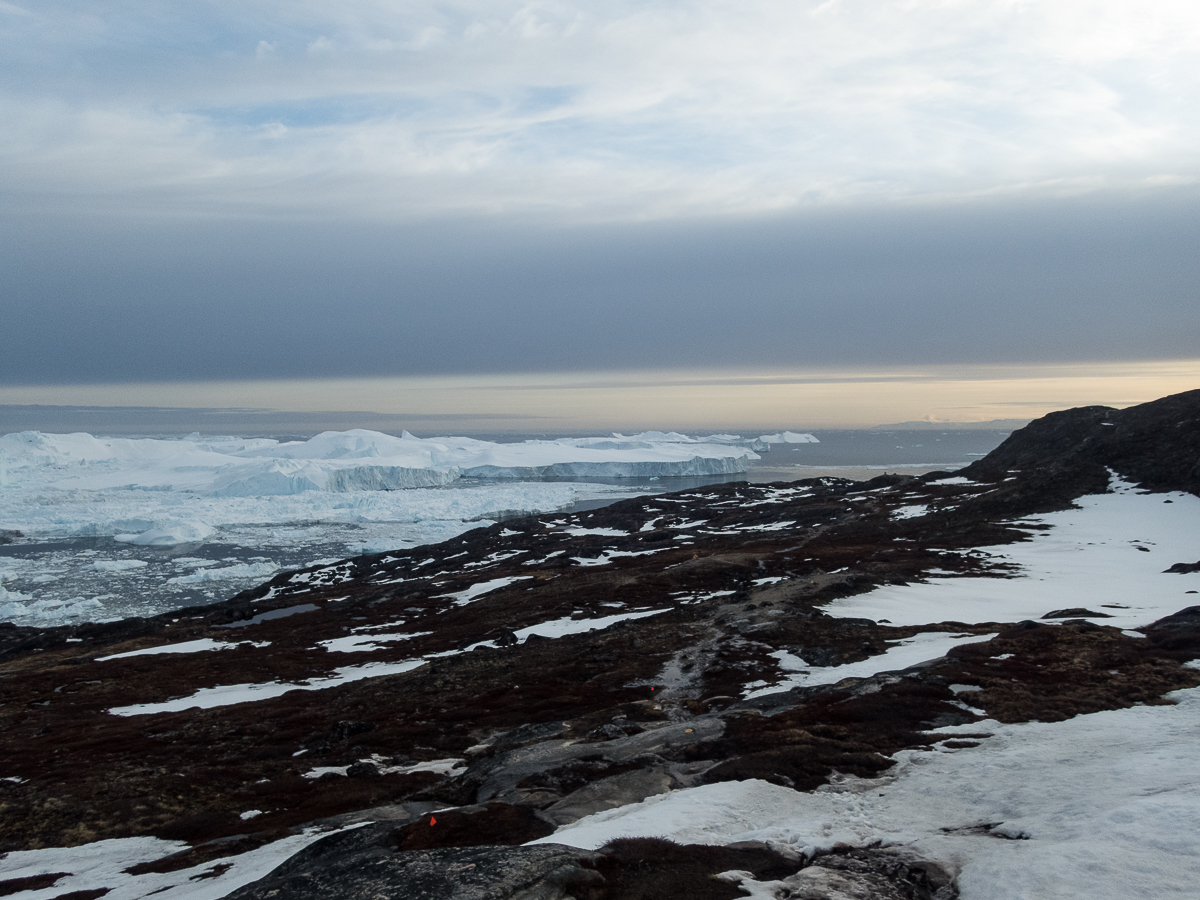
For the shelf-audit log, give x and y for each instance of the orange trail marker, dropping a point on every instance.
(432, 820)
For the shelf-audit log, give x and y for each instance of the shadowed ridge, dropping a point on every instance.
(1156, 444)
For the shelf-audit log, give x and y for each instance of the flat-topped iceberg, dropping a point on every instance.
(357, 460)
(788, 437)
(154, 524)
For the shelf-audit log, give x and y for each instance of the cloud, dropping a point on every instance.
(624, 111)
(105, 298)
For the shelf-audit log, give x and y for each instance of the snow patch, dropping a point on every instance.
(229, 694)
(919, 648)
(198, 646)
(462, 598)
(1087, 558)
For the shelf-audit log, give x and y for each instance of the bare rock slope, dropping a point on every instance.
(465, 698)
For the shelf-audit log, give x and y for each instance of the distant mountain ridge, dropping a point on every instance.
(990, 425)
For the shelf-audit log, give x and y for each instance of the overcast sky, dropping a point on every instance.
(266, 190)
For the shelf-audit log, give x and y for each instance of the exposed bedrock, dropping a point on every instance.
(1155, 444)
(558, 666)
(365, 864)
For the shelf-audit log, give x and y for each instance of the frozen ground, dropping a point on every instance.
(114, 527)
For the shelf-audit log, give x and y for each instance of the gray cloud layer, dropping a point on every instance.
(299, 188)
(106, 300)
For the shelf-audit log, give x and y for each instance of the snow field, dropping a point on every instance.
(198, 646)
(1091, 558)
(228, 694)
(1104, 806)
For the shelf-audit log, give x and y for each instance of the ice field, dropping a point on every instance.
(113, 527)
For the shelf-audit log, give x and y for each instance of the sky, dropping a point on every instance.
(655, 213)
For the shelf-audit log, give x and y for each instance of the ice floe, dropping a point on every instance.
(118, 565)
(258, 571)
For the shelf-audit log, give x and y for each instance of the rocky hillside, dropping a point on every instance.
(458, 701)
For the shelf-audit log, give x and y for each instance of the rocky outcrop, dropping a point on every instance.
(462, 699)
(365, 864)
(1156, 445)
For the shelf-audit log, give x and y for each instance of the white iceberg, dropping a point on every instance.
(788, 437)
(169, 534)
(348, 461)
(343, 492)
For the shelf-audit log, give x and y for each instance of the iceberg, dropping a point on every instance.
(168, 534)
(788, 437)
(340, 493)
(349, 461)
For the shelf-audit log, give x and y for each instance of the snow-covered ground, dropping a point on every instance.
(1107, 556)
(115, 527)
(1103, 806)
